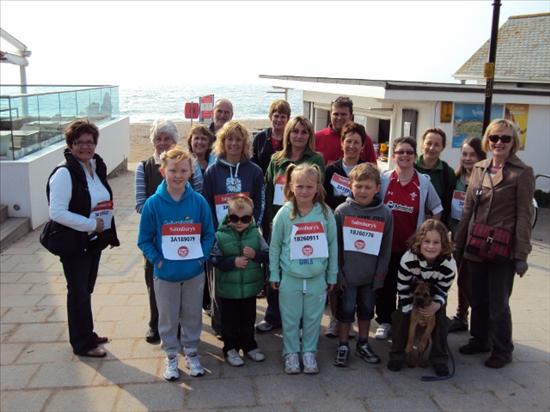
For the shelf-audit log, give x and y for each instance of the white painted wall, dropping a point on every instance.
(23, 182)
(537, 150)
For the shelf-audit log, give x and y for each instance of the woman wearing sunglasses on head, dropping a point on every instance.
(494, 238)
(409, 194)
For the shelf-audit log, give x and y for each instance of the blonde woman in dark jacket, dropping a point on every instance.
(507, 187)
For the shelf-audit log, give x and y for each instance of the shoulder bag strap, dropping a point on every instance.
(479, 192)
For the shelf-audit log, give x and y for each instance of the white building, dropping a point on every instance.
(390, 109)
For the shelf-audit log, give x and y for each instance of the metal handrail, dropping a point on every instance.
(54, 92)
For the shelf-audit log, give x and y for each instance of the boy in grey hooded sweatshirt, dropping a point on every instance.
(365, 228)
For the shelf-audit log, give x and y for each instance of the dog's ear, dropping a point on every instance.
(433, 289)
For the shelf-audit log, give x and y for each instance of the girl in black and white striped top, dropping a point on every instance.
(430, 260)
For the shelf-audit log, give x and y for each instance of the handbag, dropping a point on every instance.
(489, 243)
(61, 240)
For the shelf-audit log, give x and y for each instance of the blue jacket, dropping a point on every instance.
(245, 177)
(161, 209)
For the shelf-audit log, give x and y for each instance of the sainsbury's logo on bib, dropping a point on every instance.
(308, 228)
(365, 224)
(181, 229)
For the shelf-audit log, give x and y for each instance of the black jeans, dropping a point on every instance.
(400, 328)
(238, 318)
(81, 274)
(273, 313)
(386, 296)
(491, 321)
(153, 311)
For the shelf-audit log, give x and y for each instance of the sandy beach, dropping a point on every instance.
(140, 145)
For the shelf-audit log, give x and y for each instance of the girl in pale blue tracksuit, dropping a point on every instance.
(303, 258)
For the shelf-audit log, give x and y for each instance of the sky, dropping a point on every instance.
(146, 43)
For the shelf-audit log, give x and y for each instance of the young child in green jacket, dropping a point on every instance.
(237, 254)
(303, 257)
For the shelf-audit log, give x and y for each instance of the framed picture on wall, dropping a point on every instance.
(468, 120)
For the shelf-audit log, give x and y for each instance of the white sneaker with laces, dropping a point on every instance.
(256, 355)
(332, 329)
(233, 358)
(171, 372)
(292, 364)
(194, 364)
(310, 363)
(383, 331)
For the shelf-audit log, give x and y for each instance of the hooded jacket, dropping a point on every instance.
(358, 268)
(161, 209)
(279, 248)
(244, 177)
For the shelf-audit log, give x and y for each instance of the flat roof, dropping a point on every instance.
(498, 88)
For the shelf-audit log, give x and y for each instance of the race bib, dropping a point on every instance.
(181, 241)
(221, 204)
(104, 211)
(308, 241)
(362, 235)
(457, 204)
(340, 185)
(278, 193)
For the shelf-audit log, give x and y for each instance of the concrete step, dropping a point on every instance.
(3, 213)
(13, 229)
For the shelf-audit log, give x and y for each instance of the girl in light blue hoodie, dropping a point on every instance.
(176, 234)
(303, 258)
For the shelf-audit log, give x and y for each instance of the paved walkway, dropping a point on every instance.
(40, 373)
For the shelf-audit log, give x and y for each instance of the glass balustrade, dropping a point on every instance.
(35, 117)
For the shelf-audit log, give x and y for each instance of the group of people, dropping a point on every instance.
(309, 217)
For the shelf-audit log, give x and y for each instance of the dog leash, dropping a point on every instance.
(428, 378)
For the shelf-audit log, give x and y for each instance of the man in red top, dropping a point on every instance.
(327, 141)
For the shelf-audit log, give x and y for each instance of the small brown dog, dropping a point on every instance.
(422, 298)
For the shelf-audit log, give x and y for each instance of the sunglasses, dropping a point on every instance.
(504, 138)
(235, 219)
(404, 152)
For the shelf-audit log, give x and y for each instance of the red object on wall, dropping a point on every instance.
(191, 110)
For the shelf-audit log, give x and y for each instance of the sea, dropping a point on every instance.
(250, 101)
(146, 103)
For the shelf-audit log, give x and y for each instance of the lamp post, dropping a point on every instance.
(489, 71)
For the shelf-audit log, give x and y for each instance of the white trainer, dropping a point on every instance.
(332, 330)
(310, 363)
(233, 358)
(383, 331)
(292, 364)
(171, 372)
(256, 355)
(194, 364)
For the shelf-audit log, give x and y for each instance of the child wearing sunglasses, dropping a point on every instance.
(237, 254)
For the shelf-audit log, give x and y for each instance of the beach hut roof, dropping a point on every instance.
(523, 52)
